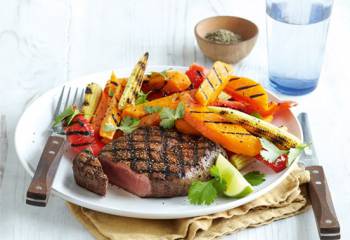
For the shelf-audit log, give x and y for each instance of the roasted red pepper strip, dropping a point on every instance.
(81, 136)
(245, 99)
(253, 107)
(278, 165)
(196, 73)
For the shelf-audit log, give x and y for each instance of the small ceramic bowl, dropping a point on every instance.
(229, 53)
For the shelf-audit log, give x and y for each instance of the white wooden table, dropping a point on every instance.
(45, 43)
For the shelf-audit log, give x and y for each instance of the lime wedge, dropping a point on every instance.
(236, 185)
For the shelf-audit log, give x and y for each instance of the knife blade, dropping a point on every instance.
(320, 196)
(3, 146)
(308, 157)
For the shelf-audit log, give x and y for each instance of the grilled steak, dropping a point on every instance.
(88, 173)
(151, 162)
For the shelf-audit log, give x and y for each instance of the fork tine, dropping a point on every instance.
(67, 100)
(75, 100)
(59, 103)
(81, 100)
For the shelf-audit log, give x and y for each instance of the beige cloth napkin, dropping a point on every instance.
(286, 200)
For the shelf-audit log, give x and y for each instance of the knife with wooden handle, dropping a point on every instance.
(320, 196)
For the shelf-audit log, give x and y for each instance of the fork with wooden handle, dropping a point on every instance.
(39, 189)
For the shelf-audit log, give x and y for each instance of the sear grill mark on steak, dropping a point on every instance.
(148, 150)
(179, 155)
(164, 153)
(88, 173)
(152, 162)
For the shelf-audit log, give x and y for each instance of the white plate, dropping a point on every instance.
(31, 134)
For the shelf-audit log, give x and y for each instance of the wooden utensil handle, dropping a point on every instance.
(327, 222)
(39, 189)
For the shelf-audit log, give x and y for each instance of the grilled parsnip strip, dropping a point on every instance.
(92, 97)
(258, 127)
(114, 85)
(134, 83)
(214, 83)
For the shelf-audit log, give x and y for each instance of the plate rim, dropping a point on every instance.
(120, 212)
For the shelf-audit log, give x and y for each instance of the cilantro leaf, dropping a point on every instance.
(167, 123)
(255, 178)
(141, 97)
(71, 117)
(167, 113)
(180, 111)
(270, 152)
(202, 192)
(68, 114)
(206, 192)
(169, 116)
(295, 152)
(152, 109)
(128, 124)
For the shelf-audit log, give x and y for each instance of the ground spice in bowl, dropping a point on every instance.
(223, 36)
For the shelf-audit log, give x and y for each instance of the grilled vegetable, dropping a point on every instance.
(93, 93)
(112, 115)
(157, 80)
(196, 73)
(284, 128)
(123, 81)
(230, 104)
(214, 83)
(177, 82)
(100, 111)
(80, 135)
(231, 136)
(248, 91)
(254, 95)
(240, 161)
(115, 86)
(139, 111)
(134, 83)
(278, 165)
(150, 120)
(277, 107)
(224, 96)
(183, 127)
(258, 127)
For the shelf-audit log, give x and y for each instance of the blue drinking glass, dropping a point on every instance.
(296, 39)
